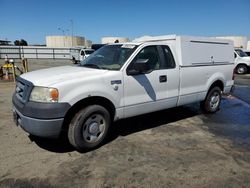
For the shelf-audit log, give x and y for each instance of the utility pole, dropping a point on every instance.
(72, 34)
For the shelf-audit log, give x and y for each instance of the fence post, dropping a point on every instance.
(53, 53)
(25, 64)
(20, 53)
(13, 71)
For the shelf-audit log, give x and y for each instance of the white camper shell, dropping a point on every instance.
(193, 51)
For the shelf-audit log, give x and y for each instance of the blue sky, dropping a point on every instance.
(32, 20)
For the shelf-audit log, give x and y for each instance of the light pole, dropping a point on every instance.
(71, 22)
(63, 32)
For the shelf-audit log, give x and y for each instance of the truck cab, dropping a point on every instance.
(84, 53)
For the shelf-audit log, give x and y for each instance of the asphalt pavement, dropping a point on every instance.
(242, 87)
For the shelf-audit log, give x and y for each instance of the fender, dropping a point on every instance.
(98, 90)
(218, 76)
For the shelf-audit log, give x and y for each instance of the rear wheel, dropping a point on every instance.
(89, 127)
(241, 69)
(212, 102)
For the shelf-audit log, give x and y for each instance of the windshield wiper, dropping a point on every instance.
(91, 66)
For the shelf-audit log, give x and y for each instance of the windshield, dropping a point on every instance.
(111, 57)
(241, 53)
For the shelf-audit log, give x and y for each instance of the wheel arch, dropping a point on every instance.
(218, 83)
(94, 100)
(241, 63)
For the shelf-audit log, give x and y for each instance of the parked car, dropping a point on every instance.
(79, 54)
(242, 61)
(120, 81)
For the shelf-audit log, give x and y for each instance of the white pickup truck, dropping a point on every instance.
(79, 54)
(242, 61)
(120, 81)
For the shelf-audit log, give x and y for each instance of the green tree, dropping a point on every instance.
(17, 43)
(21, 42)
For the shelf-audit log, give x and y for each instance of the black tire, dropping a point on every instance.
(241, 69)
(74, 60)
(211, 104)
(89, 128)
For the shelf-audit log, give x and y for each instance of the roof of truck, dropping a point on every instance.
(155, 38)
(197, 39)
(140, 40)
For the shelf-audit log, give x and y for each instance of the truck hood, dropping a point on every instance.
(50, 76)
(246, 58)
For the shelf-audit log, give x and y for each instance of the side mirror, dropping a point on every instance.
(139, 67)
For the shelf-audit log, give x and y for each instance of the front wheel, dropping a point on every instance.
(241, 69)
(89, 127)
(212, 102)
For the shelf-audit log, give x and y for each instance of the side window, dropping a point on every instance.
(168, 58)
(149, 53)
(235, 55)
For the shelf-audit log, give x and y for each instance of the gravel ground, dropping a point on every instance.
(179, 147)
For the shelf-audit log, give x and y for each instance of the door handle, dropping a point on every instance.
(163, 78)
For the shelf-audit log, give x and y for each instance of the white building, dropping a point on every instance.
(248, 45)
(108, 40)
(66, 41)
(239, 41)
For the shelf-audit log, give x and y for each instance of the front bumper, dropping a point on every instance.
(49, 128)
(40, 119)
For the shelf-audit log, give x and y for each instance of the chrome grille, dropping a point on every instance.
(20, 88)
(23, 89)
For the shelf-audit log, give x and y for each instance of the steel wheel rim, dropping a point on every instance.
(214, 100)
(241, 70)
(94, 128)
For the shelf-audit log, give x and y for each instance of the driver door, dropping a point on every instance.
(147, 92)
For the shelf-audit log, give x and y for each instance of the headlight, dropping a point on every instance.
(44, 94)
